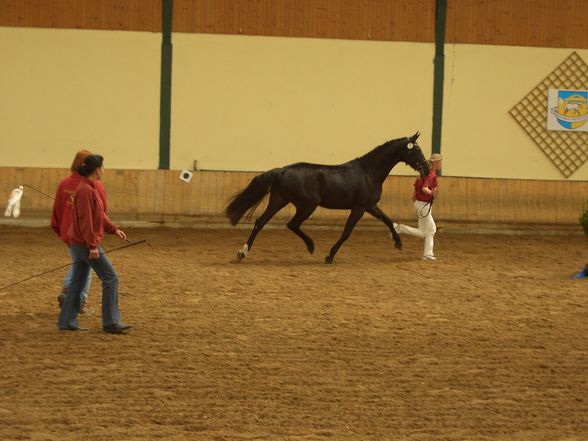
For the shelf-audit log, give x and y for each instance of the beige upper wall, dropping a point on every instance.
(482, 84)
(254, 103)
(62, 90)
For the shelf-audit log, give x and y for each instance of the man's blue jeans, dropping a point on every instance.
(68, 318)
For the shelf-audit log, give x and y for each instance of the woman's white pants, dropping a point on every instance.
(426, 229)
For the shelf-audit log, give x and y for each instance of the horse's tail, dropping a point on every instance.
(249, 198)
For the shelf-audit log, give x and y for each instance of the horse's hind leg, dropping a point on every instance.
(352, 220)
(275, 204)
(302, 213)
(379, 214)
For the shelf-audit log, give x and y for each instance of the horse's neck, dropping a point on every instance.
(380, 161)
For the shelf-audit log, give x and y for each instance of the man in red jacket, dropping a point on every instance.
(61, 219)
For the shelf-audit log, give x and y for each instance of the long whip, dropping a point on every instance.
(39, 191)
(71, 263)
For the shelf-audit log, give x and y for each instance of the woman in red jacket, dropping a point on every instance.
(425, 190)
(61, 219)
(89, 223)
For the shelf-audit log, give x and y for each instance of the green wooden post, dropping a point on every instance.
(166, 83)
(440, 15)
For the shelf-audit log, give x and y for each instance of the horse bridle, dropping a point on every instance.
(419, 168)
(412, 145)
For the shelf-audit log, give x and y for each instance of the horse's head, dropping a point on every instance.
(413, 155)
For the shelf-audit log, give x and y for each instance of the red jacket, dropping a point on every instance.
(61, 218)
(429, 181)
(89, 217)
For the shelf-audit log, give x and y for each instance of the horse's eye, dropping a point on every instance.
(409, 145)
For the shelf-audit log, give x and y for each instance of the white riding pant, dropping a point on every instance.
(427, 227)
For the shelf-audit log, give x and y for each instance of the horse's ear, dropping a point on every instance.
(414, 137)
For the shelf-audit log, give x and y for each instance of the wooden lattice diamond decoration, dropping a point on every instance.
(568, 151)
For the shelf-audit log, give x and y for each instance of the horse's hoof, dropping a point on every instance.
(310, 248)
(398, 245)
(242, 253)
(328, 259)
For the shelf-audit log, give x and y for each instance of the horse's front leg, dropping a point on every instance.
(352, 220)
(379, 214)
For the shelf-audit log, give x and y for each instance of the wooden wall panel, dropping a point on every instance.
(345, 19)
(538, 23)
(160, 196)
(122, 15)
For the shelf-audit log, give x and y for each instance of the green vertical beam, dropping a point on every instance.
(440, 15)
(166, 83)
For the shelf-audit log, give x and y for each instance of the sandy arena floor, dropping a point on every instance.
(490, 342)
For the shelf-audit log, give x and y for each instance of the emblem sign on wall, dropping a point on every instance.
(567, 110)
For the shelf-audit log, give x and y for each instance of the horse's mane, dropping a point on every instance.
(379, 148)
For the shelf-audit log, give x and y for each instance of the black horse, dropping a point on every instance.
(355, 185)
